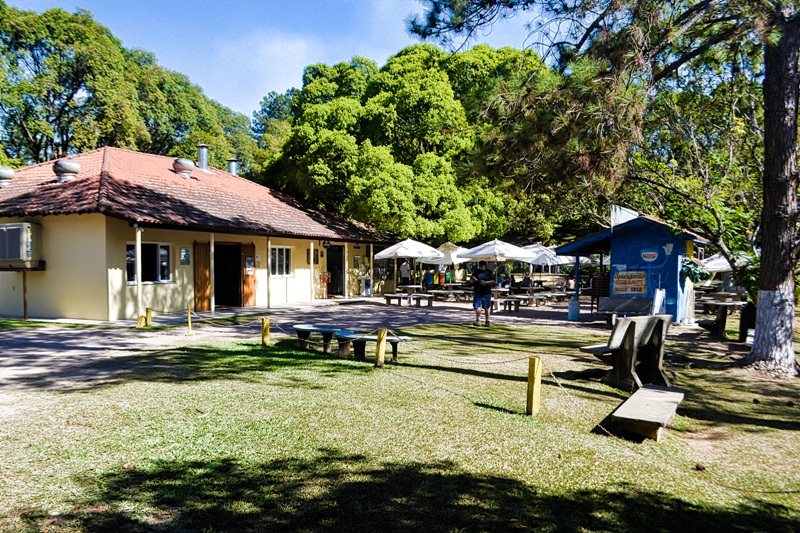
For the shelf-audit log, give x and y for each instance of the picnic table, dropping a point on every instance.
(359, 342)
(442, 294)
(304, 332)
(717, 326)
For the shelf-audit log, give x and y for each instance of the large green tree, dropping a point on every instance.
(67, 85)
(63, 85)
(383, 146)
(651, 41)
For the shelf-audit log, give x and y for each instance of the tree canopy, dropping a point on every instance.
(67, 85)
(655, 44)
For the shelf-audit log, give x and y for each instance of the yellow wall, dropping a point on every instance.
(73, 283)
(85, 275)
(174, 296)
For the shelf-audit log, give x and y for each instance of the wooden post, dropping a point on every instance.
(25, 295)
(265, 332)
(380, 347)
(189, 319)
(534, 385)
(148, 317)
(140, 322)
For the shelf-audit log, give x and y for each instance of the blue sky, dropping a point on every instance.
(239, 50)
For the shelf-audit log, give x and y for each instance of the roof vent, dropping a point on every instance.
(183, 166)
(66, 169)
(6, 175)
(233, 165)
(202, 156)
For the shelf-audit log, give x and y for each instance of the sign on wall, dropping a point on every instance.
(632, 282)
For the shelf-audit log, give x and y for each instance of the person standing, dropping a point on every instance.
(482, 281)
(405, 274)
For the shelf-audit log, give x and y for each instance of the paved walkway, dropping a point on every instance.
(57, 356)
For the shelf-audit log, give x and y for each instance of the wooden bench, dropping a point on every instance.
(398, 297)
(417, 298)
(304, 332)
(614, 307)
(635, 351)
(648, 411)
(359, 343)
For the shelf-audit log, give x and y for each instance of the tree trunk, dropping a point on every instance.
(773, 344)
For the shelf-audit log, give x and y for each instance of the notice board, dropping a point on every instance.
(630, 282)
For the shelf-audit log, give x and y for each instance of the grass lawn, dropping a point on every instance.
(236, 437)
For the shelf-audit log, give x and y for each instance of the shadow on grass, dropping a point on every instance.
(335, 492)
(184, 364)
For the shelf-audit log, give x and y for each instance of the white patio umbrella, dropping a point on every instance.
(450, 253)
(497, 250)
(718, 263)
(543, 255)
(409, 249)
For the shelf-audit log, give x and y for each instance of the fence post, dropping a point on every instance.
(189, 319)
(148, 317)
(380, 347)
(265, 332)
(534, 385)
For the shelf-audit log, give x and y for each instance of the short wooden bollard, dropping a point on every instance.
(380, 347)
(534, 385)
(189, 319)
(140, 322)
(148, 317)
(265, 332)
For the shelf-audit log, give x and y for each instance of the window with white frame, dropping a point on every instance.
(281, 261)
(156, 262)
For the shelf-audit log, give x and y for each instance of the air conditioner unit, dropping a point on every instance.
(20, 245)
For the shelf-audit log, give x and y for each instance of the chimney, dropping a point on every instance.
(183, 167)
(6, 175)
(233, 166)
(202, 156)
(66, 169)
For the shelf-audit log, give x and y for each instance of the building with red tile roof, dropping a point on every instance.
(114, 231)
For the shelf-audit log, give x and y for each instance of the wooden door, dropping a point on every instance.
(202, 276)
(248, 275)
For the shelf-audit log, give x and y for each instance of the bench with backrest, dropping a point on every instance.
(359, 342)
(614, 307)
(648, 410)
(304, 332)
(635, 351)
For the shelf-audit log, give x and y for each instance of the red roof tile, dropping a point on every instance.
(143, 188)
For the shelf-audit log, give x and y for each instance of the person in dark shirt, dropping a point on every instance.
(482, 280)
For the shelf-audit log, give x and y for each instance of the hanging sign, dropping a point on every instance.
(630, 282)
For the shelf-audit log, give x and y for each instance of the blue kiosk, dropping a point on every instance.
(646, 254)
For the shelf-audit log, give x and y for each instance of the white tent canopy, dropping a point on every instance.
(409, 249)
